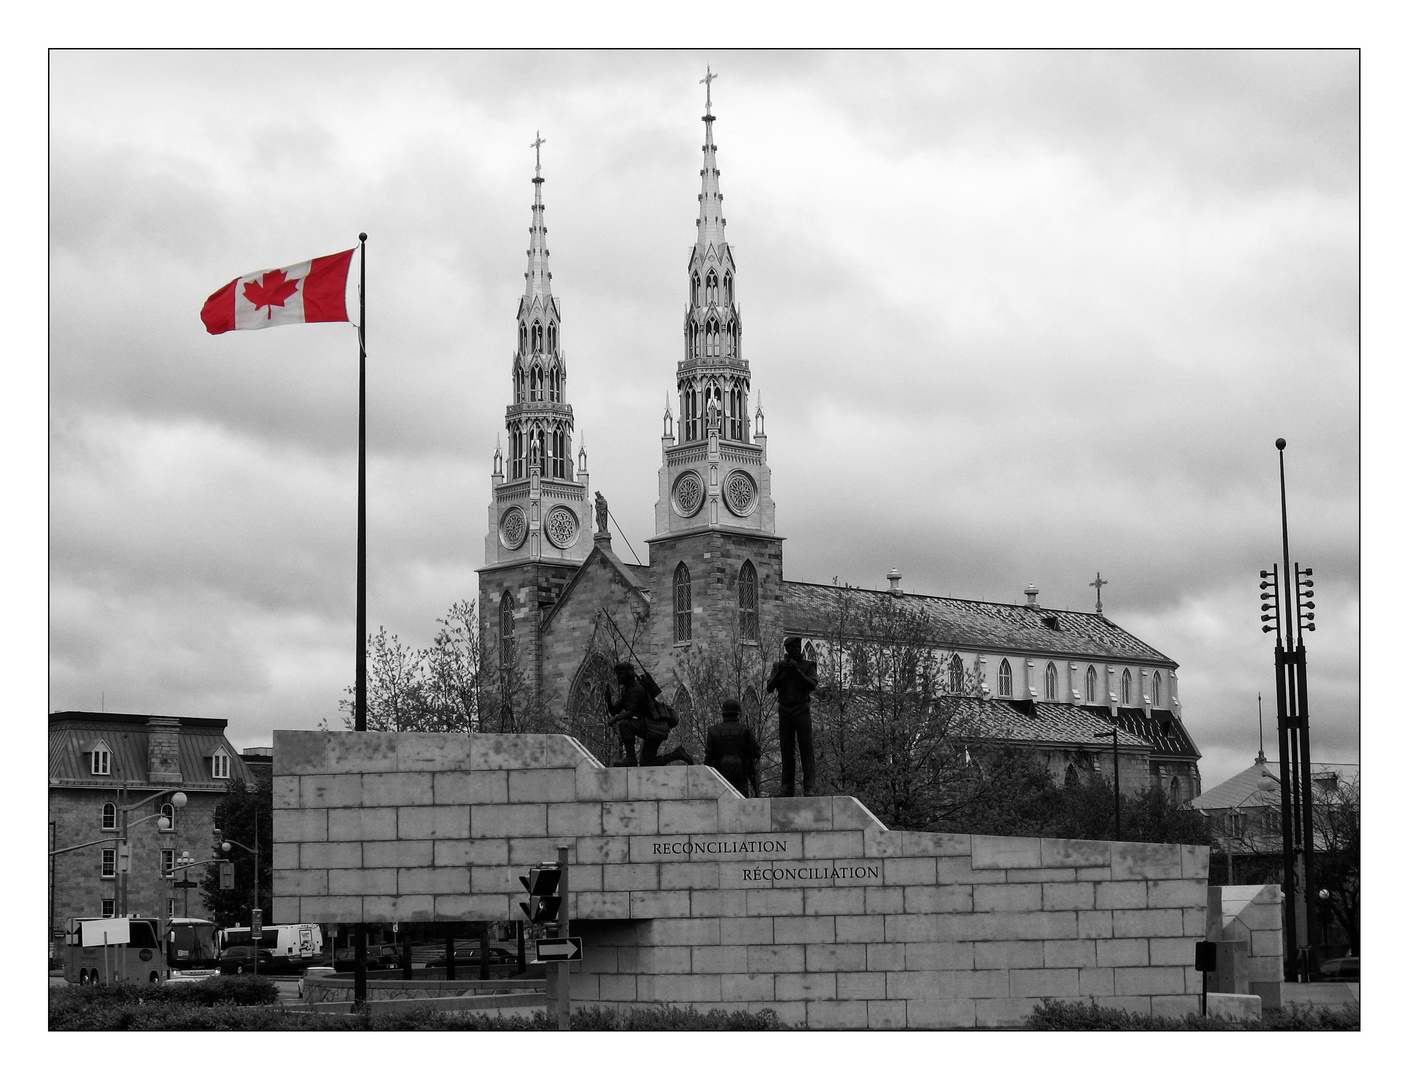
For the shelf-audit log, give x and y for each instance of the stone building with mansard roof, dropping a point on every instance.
(101, 761)
(1048, 680)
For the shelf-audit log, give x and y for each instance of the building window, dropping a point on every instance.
(220, 765)
(168, 861)
(1090, 684)
(1051, 681)
(1005, 680)
(109, 862)
(109, 908)
(748, 603)
(1174, 790)
(809, 653)
(169, 812)
(956, 674)
(171, 907)
(102, 762)
(506, 630)
(1156, 689)
(1125, 687)
(109, 815)
(682, 604)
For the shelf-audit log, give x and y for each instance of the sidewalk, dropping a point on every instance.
(1333, 994)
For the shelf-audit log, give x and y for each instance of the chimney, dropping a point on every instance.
(163, 750)
(894, 578)
(1031, 593)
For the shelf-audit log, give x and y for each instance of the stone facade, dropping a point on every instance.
(1251, 914)
(686, 893)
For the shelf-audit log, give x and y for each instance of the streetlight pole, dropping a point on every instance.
(225, 846)
(1289, 612)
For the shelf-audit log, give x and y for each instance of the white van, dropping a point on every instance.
(294, 946)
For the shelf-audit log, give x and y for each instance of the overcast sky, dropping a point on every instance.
(1012, 316)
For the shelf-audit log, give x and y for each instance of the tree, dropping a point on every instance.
(440, 688)
(236, 817)
(1335, 820)
(887, 717)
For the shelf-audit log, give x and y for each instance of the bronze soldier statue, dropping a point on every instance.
(793, 679)
(732, 748)
(638, 720)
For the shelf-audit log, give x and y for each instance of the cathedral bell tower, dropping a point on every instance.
(715, 552)
(539, 529)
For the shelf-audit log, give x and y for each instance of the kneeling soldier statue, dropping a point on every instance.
(638, 720)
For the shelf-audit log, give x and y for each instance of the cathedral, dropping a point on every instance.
(558, 606)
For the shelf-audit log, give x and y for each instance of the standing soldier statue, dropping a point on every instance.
(732, 748)
(793, 679)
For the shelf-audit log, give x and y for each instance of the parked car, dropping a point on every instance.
(239, 960)
(379, 958)
(1342, 969)
(312, 972)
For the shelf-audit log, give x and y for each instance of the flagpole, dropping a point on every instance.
(359, 931)
(360, 704)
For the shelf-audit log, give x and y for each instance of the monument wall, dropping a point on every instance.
(686, 893)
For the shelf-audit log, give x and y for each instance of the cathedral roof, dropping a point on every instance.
(982, 625)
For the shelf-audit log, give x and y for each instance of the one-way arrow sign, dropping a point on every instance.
(558, 949)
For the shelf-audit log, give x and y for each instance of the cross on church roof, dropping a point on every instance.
(538, 140)
(1097, 586)
(710, 76)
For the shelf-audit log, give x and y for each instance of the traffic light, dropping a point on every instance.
(227, 875)
(543, 899)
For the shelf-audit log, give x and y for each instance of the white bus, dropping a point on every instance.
(294, 946)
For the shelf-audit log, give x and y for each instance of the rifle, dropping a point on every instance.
(663, 710)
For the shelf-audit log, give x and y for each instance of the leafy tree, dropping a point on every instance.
(237, 816)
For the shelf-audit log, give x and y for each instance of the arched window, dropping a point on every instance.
(728, 287)
(535, 383)
(552, 337)
(1090, 684)
(753, 708)
(712, 337)
(169, 812)
(109, 817)
(506, 629)
(684, 706)
(695, 289)
(682, 604)
(1051, 681)
(1125, 687)
(748, 602)
(1174, 791)
(537, 335)
(712, 288)
(523, 338)
(956, 674)
(555, 384)
(809, 653)
(1005, 680)
(1156, 690)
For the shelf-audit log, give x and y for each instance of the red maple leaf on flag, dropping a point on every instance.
(274, 289)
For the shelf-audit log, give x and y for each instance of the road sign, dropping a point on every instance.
(556, 950)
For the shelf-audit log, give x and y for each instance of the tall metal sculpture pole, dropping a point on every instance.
(1291, 613)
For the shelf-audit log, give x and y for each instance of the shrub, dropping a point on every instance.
(1051, 1015)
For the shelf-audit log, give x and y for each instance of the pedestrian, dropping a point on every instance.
(638, 720)
(732, 748)
(793, 679)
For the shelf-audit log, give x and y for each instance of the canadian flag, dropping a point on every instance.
(312, 291)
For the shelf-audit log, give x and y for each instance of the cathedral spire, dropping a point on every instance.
(714, 474)
(537, 511)
(538, 279)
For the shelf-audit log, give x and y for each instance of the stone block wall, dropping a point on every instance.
(1252, 913)
(686, 893)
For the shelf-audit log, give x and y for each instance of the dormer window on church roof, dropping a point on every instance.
(220, 765)
(100, 758)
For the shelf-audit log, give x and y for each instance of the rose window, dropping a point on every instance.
(740, 493)
(561, 526)
(689, 494)
(513, 527)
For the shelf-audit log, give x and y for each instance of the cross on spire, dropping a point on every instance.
(1097, 586)
(538, 140)
(710, 76)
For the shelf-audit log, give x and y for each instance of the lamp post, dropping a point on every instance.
(1114, 735)
(1286, 613)
(225, 846)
